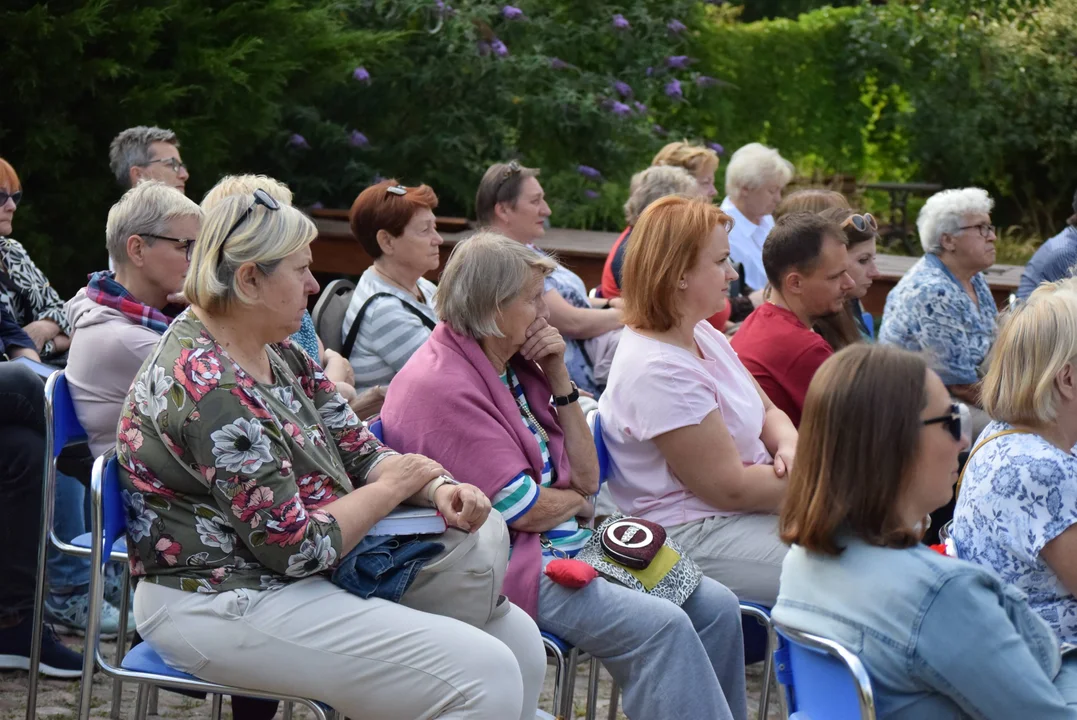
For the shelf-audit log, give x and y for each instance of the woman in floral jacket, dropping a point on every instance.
(25, 290)
(247, 477)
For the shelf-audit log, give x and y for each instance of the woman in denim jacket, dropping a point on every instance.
(940, 637)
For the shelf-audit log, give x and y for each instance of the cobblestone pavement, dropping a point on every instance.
(59, 698)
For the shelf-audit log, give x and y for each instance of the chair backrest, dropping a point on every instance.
(62, 426)
(822, 679)
(601, 450)
(869, 322)
(105, 490)
(328, 314)
(376, 429)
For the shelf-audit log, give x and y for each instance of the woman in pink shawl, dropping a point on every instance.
(489, 397)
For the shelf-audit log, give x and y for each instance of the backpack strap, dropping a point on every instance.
(979, 445)
(353, 331)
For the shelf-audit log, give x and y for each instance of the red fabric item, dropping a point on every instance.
(609, 287)
(720, 318)
(940, 549)
(570, 573)
(782, 354)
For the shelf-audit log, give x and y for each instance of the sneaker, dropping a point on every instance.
(70, 614)
(114, 586)
(57, 660)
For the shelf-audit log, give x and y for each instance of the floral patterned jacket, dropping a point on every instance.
(26, 291)
(224, 477)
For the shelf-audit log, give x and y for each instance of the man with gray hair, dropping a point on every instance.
(943, 305)
(118, 317)
(147, 153)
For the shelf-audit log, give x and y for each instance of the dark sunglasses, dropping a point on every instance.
(185, 244)
(958, 421)
(861, 223)
(261, 197)
(16, 197)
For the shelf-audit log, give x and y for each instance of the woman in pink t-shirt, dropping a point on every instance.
(696, 444)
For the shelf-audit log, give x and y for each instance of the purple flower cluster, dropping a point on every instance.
(623, 89)
(298, 141)
(620, 23)
(499, 47)
(716, 147)
(592, 194)
(619, 108)
(640, 107)
(673, 90)
(676, 26)
(361, 74)
(589, 172)
(678, 62)
(559, 64)
(512, 13)
(358, 140)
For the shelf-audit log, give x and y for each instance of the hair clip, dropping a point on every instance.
(397, 190)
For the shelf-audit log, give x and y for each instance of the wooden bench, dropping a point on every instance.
(337, 252)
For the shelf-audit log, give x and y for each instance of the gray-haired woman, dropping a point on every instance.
(495, 366)
(247, 477)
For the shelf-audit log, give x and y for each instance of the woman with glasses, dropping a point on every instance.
(943, 305)
(510, 201)
(845, 328)
(394, 308)
(940, 637)
(247, 477)
(695, 443)
(24, 289)
(1017, 504)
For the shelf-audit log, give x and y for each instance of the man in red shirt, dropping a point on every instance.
(805, 259)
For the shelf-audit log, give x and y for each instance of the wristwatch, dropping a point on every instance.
(562, 400)
(434, 484)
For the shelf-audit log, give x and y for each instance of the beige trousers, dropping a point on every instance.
(365, 658)
(743, 552)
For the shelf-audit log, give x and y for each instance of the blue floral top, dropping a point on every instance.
(929, 311)
(307, 338)
(570, 286)
(1019, 493)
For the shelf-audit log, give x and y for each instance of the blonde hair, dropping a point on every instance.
(145, 210)
(656, 182)
(813, 200)
(692, 158)
(753, 166)
(263, 237)
(483, 274)
(231, 185)
(1036, 339)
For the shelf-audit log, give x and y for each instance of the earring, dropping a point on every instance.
(683, 285)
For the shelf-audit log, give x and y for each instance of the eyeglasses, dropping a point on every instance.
(861, 223)
(16, 197)
(261, 197)
(174, 163)
(185, 244)
(986, 229)
(958, 421)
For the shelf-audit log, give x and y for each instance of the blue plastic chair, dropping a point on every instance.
(564, 656)
(869, 322)
(62, 428)
(821, 678)
(142, 665)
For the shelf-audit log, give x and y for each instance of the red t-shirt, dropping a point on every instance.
(781, 354)
(610, 288)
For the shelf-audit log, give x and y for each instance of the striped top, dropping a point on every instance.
(389, 334)
(521, 493)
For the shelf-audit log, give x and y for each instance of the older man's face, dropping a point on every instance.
(757, 203)
(165, 165)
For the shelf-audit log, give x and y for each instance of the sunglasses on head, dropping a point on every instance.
(16, 197)
(861, 223)
(261, 197)
(958, 422)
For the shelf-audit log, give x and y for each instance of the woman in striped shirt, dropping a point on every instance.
(392, 310)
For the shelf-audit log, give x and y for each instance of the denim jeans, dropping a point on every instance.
(22, 451)
(384, 566)
(672, 662)
(68, 573)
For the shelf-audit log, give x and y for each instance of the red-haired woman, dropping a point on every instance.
(392, 310)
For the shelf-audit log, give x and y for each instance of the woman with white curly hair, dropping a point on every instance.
(943, 305)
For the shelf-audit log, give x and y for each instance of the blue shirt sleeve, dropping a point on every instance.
(11, 334)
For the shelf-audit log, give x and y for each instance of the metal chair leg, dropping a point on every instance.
(615, 695)
(287, 711)
(121, 646)
(567, 709)
(768, 672)
(593, 674)
(48, 498)
(215, 713)
(153, 693)
(142, 701)
(559, 670)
